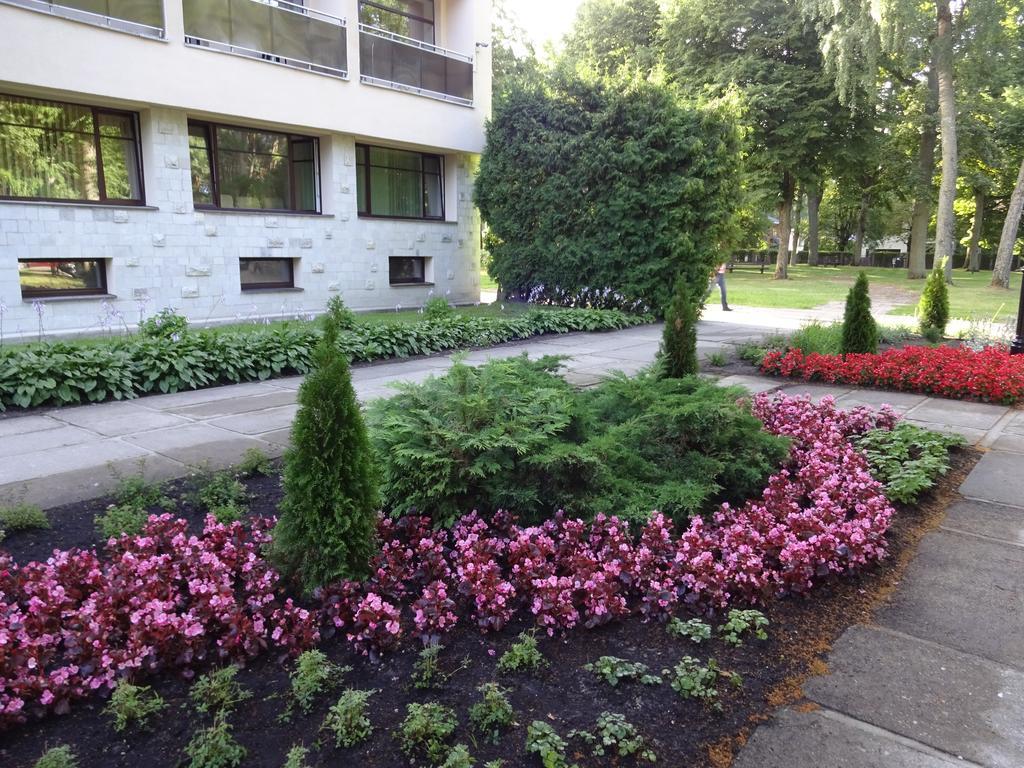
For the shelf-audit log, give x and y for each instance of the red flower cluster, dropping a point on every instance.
(161, 600)
(992, 374)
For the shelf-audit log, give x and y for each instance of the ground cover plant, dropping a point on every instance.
(511, 434)
(907, 459)
(71, 372)
(992, 374)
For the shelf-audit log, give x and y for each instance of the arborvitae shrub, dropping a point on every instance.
(860, 333)
(328, 513)
(933, 308)
(679, 343)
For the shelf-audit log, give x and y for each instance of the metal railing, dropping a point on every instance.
(394, 61)
(271, 30)
(137, 17)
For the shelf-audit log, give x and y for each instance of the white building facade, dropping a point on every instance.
(237, 159)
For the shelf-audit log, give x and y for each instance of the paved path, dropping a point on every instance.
(938, 680)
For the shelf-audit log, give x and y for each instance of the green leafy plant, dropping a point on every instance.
(328, 514)
(313, 676)
(458, 757)
(743, 622)
(58, 757)
(499, 763)
(223, 496)
(522, 656)
(135, 497)
(255, 462)
(437, 308)
(165, 324)
(694, 630)
(860, 332)
(427, 671)
(215, 747)
(693, 680)
(613, 670)
(347, 719)
(296, 757)
(120, 519)
(933, 307)
(493, 713)
(618, 736)
(343, 318)
(22, 517)
(542, 740)
(425, 732)
(218, 692)
(717, 359)
(133, 705)
(907, 459)
(679, 342)
(815, 337)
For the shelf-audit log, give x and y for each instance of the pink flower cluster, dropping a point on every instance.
(77, 623)
(822, 514)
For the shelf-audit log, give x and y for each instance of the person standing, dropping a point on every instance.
(720, 279)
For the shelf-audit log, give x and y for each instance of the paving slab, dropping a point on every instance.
(1009, 442)
(196, 444)
(753, 384)
(972, 436)
(16, 424)
(257, 422)
(582, 379)
(998, 477)
(901, 401)
(641, 353)
(193, 397)
(289, 382)
(951, 701)
(963, 592)
(20, 445)
(958, 413)
(979, 518)
(1016, 425)
(823, 738)
(816, 391)
(95, 455)
(203, 411)
(281, 438)
(121, 418)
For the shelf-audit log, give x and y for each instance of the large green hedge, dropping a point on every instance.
(600, 194)
(67, 373)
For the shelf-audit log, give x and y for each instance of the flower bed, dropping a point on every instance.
(991, 374)
(166, 600)
(67, 373)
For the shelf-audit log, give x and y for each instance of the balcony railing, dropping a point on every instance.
(138, 17)
(271, 30)
(398, 62)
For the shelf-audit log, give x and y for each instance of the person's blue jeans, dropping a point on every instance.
(720, 279)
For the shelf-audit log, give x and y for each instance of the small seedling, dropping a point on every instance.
(23, 517)
(347, 719)
(493, 713)
(137, 491)
(314, 675)
(717, 359)
(122, 519)
(58, 757)
(425, 732)
(296, 758)
(522, 656)
(223, 497)
(218, 692)
(215, 747)
(255, 462)
(612, 670)
(741, 623)
(694, 630)
(459, 757)
(426, 672)
(693, 680)
(620, 737)
(542, 740)
(133, 705)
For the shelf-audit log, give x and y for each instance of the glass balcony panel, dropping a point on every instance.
(459, 78)
(148, 14)
(208, 19)
(251, 25)
(418, 68)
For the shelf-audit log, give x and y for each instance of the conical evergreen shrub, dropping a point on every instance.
(679, 342)
(860, 333)
(328, 515)
(933, 308)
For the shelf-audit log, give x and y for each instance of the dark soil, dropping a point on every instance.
(566, 696)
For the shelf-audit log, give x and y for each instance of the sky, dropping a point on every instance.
(545, 20)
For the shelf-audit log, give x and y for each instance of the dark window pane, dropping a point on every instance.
(393, 182)
(199, 157)
(395, 193)
(120, 169)
(41, 278)
(407, 269)
(361, 177)
(121, 126)
(253, 181)
(408, 19)
(432, 197)
(395, 158)
(265, 273)
(431, 164)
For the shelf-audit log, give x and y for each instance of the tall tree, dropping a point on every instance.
(766, 50)
(1004, 256)
(609, 34)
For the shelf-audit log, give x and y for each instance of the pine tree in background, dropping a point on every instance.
(679, 343)
(328, 514)
(933, 309)
(860, 333)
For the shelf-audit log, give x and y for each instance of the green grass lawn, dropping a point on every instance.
(487, 283)
(808, 287)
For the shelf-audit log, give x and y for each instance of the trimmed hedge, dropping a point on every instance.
(68, 373)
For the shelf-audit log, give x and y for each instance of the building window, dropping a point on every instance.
(55, 151)
(408, 18)
(394, 183)
(257, 274)
(247, 169)
(78, 277)
(407, 270)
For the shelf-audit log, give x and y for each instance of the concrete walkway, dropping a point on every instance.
(938, 681)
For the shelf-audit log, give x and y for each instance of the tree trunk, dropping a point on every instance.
(785, 227)
(921, 217)
(1004, 256)
(797, 215)
(945, 235)
(974, 249)
(862, 223)
(814, 195)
